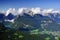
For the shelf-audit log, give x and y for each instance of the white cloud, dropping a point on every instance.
(55, 11)
(21, 10)
(45, 12)
(11, 10)
(30, 11)
(24, 10)
(36, 10)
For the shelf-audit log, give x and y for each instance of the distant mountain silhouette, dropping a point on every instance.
(2, 17)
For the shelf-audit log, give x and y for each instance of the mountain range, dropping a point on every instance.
(29, 21)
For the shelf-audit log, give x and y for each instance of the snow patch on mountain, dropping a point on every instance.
(10, 20)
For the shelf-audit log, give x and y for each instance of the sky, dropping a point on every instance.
(44, 4)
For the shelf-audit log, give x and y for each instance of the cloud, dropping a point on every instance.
(56, 11)
(45, 12)
(36, 10)
(11, 10)
(30, 11)
(24, 10)
(21, 10)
